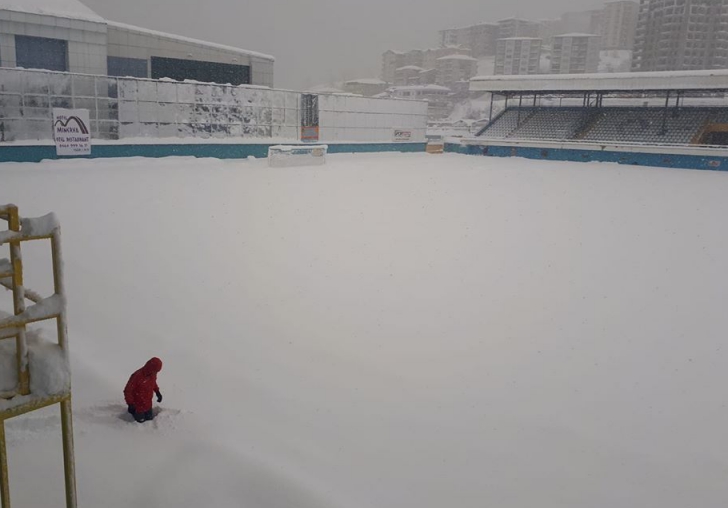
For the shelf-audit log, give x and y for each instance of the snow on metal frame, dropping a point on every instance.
(129, 108)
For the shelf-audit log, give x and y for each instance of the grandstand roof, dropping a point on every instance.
(708, 80)
(423, 88)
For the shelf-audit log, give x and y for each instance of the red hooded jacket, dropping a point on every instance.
(141, 386)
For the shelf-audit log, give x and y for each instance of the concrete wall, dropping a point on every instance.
(86, 39)
(38, 153)
(663, 157)
(345, 118)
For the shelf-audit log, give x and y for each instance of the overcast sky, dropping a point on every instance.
(318, 41)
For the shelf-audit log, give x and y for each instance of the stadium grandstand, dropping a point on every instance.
(657, 108)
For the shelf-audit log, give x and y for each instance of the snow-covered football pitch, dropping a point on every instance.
(386, 331)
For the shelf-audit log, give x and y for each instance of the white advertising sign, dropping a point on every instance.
(71, 132)
(402, 135)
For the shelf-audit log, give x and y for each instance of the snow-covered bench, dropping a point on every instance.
(284, 156)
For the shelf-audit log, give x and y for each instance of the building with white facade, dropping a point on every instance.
(684, 35)
(575, 54)
(426, 59)
(368, 87)
(518, 55)
(393, 60)
(408, 75)
(439, 103)
(65, 35)
(480, 39)
(516, 27)
(452, 69)
(618, 25)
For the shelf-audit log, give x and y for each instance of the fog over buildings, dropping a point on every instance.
(322, 40)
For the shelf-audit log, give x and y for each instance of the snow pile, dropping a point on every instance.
(387, 331)
(50, 373)
(49, 369)
(40, 226)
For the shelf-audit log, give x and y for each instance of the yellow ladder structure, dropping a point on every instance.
(21, 400)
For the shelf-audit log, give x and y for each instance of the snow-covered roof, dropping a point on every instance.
(60, 8)
(414, 88)
(618, 82)
(410, 68)
(577, 35)
(366, 81)
(520, 39)
(132, 28)
(470, 26)
(507, 20)
(458, 57)
(324, 89)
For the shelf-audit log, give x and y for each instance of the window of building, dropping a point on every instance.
(206, 72)
(134, 67)
(41, 53)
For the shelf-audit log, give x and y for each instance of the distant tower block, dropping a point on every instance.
(22, 389)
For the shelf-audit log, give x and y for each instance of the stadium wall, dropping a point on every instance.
(713, 159)
(133, 111)
(38, 153)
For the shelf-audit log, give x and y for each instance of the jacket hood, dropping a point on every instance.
(152, 366)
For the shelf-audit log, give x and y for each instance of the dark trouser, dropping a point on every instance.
(141, 417)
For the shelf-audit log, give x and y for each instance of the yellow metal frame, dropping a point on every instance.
(15, 327)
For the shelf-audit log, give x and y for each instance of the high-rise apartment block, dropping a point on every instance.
(518, 55)
(681, 35)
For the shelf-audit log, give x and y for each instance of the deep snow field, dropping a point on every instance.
(386, 331)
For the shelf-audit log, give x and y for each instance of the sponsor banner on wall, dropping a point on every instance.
(71, 132)
(402, 135)
(310, 133)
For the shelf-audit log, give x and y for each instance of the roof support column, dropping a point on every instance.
(664, 114)
(520, 103)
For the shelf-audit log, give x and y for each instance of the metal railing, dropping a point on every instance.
(131, 108)
(121, 108)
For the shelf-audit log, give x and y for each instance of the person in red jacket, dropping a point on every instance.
(140, 388)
